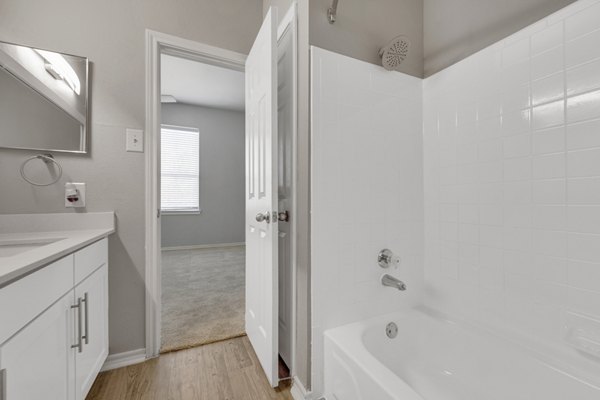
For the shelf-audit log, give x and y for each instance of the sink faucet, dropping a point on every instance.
(388, 280)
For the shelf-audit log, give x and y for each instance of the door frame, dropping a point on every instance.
(158, 43)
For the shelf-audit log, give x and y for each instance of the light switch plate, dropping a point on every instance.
(80, 192)
(135, 140)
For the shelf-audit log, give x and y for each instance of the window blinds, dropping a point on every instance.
(180, 169)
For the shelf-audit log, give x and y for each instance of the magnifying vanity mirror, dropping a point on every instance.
(43, 100)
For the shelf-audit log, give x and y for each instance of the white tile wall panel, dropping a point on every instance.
(548, 38)
(528, 237)
(547, 115)
(584, 162)
(549, 166)
(583, 135)
(548, 89)
(494, 161)
(584, 190)
(367, 192)
(547, 141)
(583, 22)
(584, 78)
(583, 107)
(548, 63)
(583, 49)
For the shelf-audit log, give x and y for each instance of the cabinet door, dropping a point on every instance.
(93, 292)
(38, 362)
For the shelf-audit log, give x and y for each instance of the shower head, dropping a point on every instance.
(394, 53)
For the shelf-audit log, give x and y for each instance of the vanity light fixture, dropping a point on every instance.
(60, 69)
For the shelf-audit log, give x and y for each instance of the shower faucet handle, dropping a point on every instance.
(386, 258)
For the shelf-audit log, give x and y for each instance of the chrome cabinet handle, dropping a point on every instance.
(3, 384)
(260, 217)
(86, 300)
(79, 345)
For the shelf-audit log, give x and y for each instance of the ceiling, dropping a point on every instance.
(197, 83)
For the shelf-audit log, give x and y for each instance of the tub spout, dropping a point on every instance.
(388, 280)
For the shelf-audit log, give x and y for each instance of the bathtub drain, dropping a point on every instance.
(391, 330)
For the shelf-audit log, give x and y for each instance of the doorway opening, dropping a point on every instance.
(197, 282)
(202, 203)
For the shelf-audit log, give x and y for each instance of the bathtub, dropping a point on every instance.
(435, 358)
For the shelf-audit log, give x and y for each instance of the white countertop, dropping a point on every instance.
(73, 231)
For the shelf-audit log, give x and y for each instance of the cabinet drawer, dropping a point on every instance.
(25, 299)
(90, 258)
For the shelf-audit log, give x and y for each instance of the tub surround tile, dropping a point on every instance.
(543, 224)
(366, 192)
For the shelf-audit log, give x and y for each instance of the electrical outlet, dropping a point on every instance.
(74, 195)
(135, 140)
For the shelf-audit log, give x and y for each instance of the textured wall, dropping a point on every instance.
(111, 34)
(363, 27)
(367, 192)
(512, 183)
(222, 172)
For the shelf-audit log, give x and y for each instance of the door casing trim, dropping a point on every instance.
(158, 43)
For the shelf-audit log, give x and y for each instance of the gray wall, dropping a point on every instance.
(222, 173)
(111, 34)
(458, 28)
(442, 32)
(364, 27)
(282, 6)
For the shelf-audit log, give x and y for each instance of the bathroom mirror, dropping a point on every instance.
(43, 99)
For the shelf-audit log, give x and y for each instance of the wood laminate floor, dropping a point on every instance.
(227, 370)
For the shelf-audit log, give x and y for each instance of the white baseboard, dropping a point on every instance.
(124, 359)
(203, 246)
(298, 391)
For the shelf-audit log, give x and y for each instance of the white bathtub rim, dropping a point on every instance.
(353, 346)
(355, 350)
(565, 359)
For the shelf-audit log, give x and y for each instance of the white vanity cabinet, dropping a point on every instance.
(54, 328)
(93, 292)
(37, 363)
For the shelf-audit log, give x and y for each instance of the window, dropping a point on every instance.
(180, 169)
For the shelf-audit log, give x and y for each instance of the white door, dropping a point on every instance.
(38, 362)
(285, 132)
(93, 292)
(261, 197)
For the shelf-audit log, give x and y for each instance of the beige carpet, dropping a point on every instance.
(202, 296)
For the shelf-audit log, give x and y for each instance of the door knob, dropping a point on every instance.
(260, 217)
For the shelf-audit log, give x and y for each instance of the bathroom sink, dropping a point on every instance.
(12, 247)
